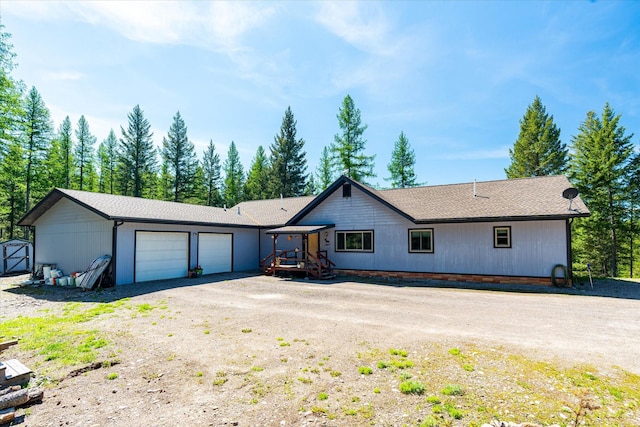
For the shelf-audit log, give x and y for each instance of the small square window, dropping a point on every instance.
(346, 190)
(421, 240)
(501, 237)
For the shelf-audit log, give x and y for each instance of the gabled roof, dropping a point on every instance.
(511, 199)
(135, 209)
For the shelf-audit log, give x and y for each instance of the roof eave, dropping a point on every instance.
(500, 219)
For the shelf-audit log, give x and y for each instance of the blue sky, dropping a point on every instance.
(455, 77)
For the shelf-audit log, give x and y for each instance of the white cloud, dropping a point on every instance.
(363, 25)
(216, 25)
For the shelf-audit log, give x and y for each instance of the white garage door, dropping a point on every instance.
(214, 252)
(161, 255)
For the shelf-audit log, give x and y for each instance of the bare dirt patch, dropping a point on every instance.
(261, 351)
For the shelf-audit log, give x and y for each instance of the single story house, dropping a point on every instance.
(499, 231)
(16, 256)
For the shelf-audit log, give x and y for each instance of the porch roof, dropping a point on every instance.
(300, 229)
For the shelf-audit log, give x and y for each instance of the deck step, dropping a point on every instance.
(12, 372)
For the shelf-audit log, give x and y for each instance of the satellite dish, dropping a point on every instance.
(570, 194)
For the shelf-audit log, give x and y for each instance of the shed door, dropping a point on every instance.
(161, 255)
(214, 252)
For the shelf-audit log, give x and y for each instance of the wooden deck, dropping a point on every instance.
(316, 266)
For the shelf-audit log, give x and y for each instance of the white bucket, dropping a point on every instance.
(62, 281)
(47, 272)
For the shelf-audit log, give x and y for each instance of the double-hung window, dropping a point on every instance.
(421, 240)
(501, 237)
(354, 241)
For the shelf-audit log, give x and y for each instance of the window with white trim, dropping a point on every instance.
(354, 241)
(501, 237)
(421, 240)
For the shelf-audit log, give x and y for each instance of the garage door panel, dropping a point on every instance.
(214, 252)
(161, 255)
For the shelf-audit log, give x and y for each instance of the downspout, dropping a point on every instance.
(569, 252)
(114, 249)
(33, 264)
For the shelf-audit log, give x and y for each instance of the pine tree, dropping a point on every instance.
(256, 186)
(212, 178)
(348, 156)
(599, 168)
(179, 155)
(288, 162)
(312, 188)
(107, 156)
(538, 150)
(324, 170)
(53, 167)
(11, 106)
(84, 152)
(234, 177)
(66, 151)
(37, 133)
(12, 182)
(137, 161)
(403, 161)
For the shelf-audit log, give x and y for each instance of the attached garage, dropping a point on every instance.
(215, 252)
(161, 255)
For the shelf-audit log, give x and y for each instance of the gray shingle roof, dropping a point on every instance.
(273, 212)
(526, 198)
(126, 208)
(512, 198)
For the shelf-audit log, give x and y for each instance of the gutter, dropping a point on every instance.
(114, 250)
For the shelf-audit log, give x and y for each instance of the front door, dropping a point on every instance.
(313, 245)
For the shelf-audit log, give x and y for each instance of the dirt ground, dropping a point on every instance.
(249, 350)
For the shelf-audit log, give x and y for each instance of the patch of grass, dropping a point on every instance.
(253, 401)
(318, 410)
(199, 374)
(257, 369)
(284, 360)
(112, 376)
(280, 339)
(335, 373)
(305, 380)
(435, 400)
(365, 370)
(376, 390)
(429, 422)
(468, 368)
(144, 308)
(284, 344)
(350, 411)
(382, 365)
(412, 387)
(402, 364)
(452, 390)
(398, 352)
(455, 351)
(323, 396)
(247, 330)
(453, 412)
(221, 378)
(355, 399)
(206, 332)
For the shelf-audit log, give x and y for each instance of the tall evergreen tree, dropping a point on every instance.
(538, 150)
(179, 155)
(312, 188)
(324, 170)
(11, 106)
(137, 162)
(599, 168)
(211, 174)
(84, 152)
(256, 186)
(53, 166)
(403, 161)
(234, 177)
(288, 162)
(66, 150)
(348, 151)
(107, 156)
(12, 182)
(37, 133)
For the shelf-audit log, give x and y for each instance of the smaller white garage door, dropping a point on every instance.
(161, 255)
(214, 252)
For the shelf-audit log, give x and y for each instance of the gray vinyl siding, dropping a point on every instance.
(71, 237)
(465, 248)
(244, 242)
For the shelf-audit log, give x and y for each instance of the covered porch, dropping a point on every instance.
(305, 259)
